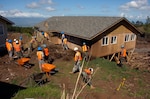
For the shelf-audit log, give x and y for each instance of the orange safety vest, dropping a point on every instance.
(17, 48)
(45, 34)
(84, 48)
(9, 46)
(87, 71)
(6, 43)
(123, 53)
(65, 40)
(14, 44)
(77, 56)
(40, 55)
(46, 51)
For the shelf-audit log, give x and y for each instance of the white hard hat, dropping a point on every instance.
(14, 40)
(17, 41)
(75, 49)
(122, 46)
(91, 69)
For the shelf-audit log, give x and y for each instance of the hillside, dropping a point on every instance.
(106, 79)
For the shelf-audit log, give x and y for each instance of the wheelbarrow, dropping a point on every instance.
(49, 69)
(24, 62)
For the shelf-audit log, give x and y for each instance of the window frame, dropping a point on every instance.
(105, 41)
(112, 39)
(132, 37)
(128, 39)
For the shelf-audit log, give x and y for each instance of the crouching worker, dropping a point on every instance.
(40, 56)
(87, 75)
(77, 60)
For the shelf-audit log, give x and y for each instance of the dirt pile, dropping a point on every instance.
(140, 59)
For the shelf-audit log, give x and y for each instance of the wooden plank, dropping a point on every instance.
(128, 58)
(112, 57)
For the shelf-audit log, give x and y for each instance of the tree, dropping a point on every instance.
(147, 20)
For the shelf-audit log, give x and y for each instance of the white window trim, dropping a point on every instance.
(133, 38)
(128, 38)
(107, 41)
(113, 41)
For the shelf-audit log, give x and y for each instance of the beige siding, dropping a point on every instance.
(98, 50)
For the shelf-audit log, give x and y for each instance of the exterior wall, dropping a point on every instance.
(98, 50)
(72, 41)
(4, 35)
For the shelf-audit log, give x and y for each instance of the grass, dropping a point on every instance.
(108, 72)
(49, 91)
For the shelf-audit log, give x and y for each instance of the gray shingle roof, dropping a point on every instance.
(80, 26)
(6, 20)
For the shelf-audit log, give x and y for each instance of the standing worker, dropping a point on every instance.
(17, 48)
(77, 59)
(14, 44)
(65, 46)
(40, 56)
(85, 49)
(46, 52)
(123, 54)
(62, 36)
(9, 48)
(47, 36)
(33, 39)
(21, 43)
(87, 75)
(42, 37)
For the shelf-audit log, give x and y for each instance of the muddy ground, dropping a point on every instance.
(10, 70)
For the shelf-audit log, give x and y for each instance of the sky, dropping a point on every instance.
(131, 9)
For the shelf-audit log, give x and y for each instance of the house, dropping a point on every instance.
(3, 30)
(104, 35)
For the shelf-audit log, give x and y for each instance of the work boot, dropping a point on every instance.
(92, 87)
(71, 72)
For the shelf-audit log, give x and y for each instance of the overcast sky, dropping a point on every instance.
(131, 9)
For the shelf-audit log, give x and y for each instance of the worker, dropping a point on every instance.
(40, 56)
(62, 36)
(77, 60)
(6, 43)
(18, 50)
(9, 48)
(21, 43)
(85, 49)
(65, 46)
(87, 75)
(47, 36)
(14, 44)
(46, 52)
(42, 37)
(33, 39)
(123, 54)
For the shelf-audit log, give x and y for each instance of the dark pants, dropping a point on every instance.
(86, 78)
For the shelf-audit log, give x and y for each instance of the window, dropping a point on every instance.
(133, 36)
(1, 29)
(113, 40)
(126, 37)
(105, 41)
